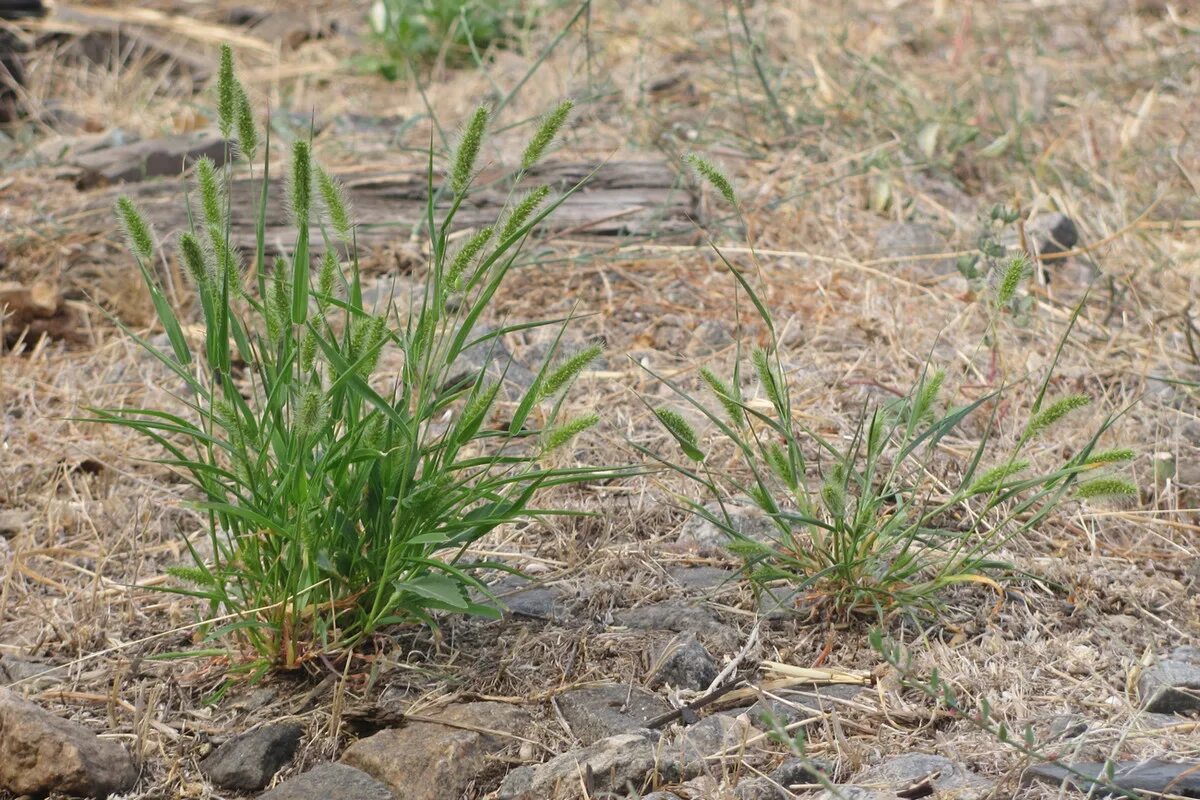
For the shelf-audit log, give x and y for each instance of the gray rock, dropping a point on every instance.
(660, 796)
(796, 705)
(31, 673)
(702, 577)
(622, 763)
(688, 750)
(944, 775)
(41, 753)
(149, 158)
(1172, 686)
(758, 789)
(745, 520)
(249, 761)
(492, 357)
(602, 710)
(678, 618)
(909, 239)
(684, 664)
(1155, 777)
(855, 793)
(1067, 726)
(1052, 233)
(525, 598)
(797, 771)
(429, 761)
(330, 782)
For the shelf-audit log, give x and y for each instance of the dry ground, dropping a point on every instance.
(1085, 107)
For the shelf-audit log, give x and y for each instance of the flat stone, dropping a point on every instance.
(802, 771)
(430, 761)
(1180, 779)
(742, 519)
(947, 777)
(31, 673)
(912, 239)
(330, 782)
(758, 789)
(689, 748)
(149, 158)
(41, 753)
(619, 764)
(602, 710)
(1052, 233)
(1172, 686)
(855, 793)
(684, 664)
(678, 618)
(796, 705)
(702, 577)
(525, 598)
(249, 761)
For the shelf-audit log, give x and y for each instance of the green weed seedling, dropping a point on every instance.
(858, 523)
(342, 497)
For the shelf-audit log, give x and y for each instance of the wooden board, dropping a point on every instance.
(626, 198)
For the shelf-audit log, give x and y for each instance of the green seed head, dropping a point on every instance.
(192, 256)
(551, 124)
(566, 372)
(327, 276)
(1053, 413)
(777, 457)
(523, 210)
(336, 206)
(678, 427)
(708, 171)
(366, 343)
(766, 375)
(211, 200)
(247, 129)
(314, 410)
(308, 351)
(995, 477)
(1111, 456)
(467, 255)
(1013, 275)
(1108, 488)
(725, 396)
(300, 185)
(226, 92)
(468, 152)
(559, 436)
(137, 231)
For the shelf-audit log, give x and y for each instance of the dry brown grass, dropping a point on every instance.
(1100, 95)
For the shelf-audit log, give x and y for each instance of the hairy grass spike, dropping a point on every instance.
(707, 170)
(566, 372)
(1111, 456)
(300, 182)
(137, 231)
(780, 464)
(1053, 413)
(467, 255)
(211, 200)
(995, 477)
(247, 129)
(368, 338)
(336, 205)
(1011, 280)
(468, 152)
(684, 434)
(326, 277)
(766, 375)
(564, 433)
(314, 410)
(1105, 488)
(724, 395)
(308, 351)
(192, 256)
(551, 124)
(226, 92)
(523, 210)
(278, 307)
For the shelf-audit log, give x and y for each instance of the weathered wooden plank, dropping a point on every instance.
(628, 198)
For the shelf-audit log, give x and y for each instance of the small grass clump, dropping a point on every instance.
(418, 32)
(868, 522)
(341, 496)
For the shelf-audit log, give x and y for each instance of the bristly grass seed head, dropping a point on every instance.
(1110, 457)
(995, 477)
(724, 395)
(522, 212)
(707, 170)
(137, 231)
(566, 372)
(1011, 280)
(766, 375)
(551, 125)
(226, 92)
(466, 256)
(468, 152)
(1053, 413)
(300, 185)
(247, 129)
(211, 201)
(564, 433)
(336, 205)
(1105, 488)
(327, 276)
(679, 428)
(192, 256)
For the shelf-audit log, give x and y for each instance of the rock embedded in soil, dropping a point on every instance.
(689, 748)
(29, 672)
(793, 706)
(683, 663)
(1172, 686)
(747, 520)
(855, 793)
(909, 240)
(1052, 233)
(702, 577)
(1156, 777)
(758, 789)
(798, 771)
(602, 710)
(330, 782)
(427, 760)
(524, 598)
(620, 764)
(945, 777)
(678, 618)
(41, 753)
(249, 761)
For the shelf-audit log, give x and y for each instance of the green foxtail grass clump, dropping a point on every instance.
(342, 497)
(858, 523)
